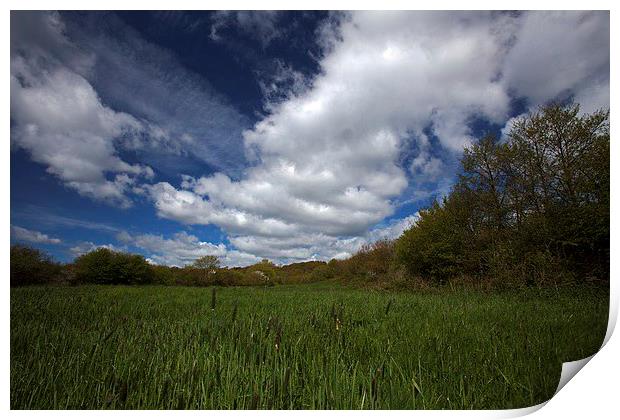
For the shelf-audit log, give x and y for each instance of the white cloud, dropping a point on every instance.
(42, 216)
(183, 249)
(427, 166)
(317, 246)
(327, 158)
(185, 118)
(22, 234)
(88, 246)
(279, 83)
(593, 97)
(327, 162)
(59, 67)
(60, 120)
(561, 53)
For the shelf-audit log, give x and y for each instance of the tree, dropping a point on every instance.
(208, 266)
(104, 266)
(533, 206)
(208, 262)
(31, 266)
(433, 247)
(563, 164)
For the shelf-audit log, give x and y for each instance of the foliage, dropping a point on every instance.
(208, 262)
(533, 209)
(304, 272)
(264, 272)
(371, 263)
(104, 266)
(205, 269)
(32, 266)
(163, 275)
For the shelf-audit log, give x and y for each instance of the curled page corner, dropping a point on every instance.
(569, 370)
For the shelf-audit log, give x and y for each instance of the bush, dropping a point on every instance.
(431, 248)
(227, 277)
(373, 261)
(104, 266)
(163, 275)
(322, 272)
(32, 266)
(262, 273)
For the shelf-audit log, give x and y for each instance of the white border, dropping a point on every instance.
(593, 393)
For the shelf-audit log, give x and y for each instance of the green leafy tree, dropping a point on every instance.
(207, 266)
(32, 266)
(105, 266)
(533, 207)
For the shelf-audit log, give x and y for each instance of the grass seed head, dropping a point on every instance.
(234, 314)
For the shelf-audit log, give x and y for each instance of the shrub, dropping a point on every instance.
(187, 276)
(163, 275)
(263, 273)
(104, 266)
(227, 277)
(32, 266)
(431, 248)
(321, 273)
(373, 260)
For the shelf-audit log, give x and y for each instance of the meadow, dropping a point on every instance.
(314, 346)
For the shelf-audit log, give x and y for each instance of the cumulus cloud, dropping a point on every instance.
(279, 83)
(328, 156)
(560, 54)
(60, 120)
(427, 166)
(318, 246)
(85, 247)
(337, 151)
(183, 249)
(60, 67)
(22, 234)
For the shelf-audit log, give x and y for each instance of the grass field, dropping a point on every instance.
(303, 346)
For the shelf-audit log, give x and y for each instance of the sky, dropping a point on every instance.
(291, 136)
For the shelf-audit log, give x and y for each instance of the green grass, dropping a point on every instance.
(164, 347)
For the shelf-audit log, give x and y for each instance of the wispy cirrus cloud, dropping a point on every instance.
(59, 118)
(33, 236)
(46, 217)
(260, 25)
(184, 114)
(66, 72)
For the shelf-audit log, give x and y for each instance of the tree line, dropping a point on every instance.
(30, 266)
(528, 209)
(533, 208)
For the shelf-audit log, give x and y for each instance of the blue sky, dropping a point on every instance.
(284, 135)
